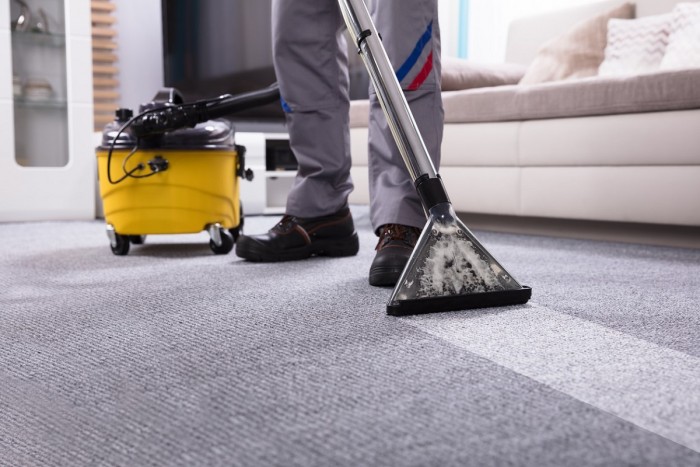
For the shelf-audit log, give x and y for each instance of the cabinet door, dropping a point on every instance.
(47, 162)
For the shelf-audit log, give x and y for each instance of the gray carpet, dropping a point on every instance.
(173, 356)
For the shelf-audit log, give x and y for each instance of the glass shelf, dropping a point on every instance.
(40, 103)
(39, 64)
(39, 38)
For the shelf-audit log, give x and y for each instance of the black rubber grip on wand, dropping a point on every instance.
(431, 191)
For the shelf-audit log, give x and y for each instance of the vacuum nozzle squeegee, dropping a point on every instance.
(449, 269)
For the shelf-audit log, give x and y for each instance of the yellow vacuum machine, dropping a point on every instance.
(174, 169)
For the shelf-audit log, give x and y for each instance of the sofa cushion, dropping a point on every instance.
(359, 113)
(649, 139)
(635, 46)
(675, 90)
(683, 49)
(482, 105)
(576, 54)
(458, 73)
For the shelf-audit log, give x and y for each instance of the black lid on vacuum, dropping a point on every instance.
(212, 134)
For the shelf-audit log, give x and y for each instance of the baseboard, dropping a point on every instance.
(648, 234)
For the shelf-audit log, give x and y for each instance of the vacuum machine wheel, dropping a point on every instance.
(237, 231)
(122, 246)
(227, 242)
(137, 239)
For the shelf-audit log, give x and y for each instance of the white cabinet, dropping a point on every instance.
(269, 157)
(47, 158)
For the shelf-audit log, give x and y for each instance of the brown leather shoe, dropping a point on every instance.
(395, 246)
(295, 238)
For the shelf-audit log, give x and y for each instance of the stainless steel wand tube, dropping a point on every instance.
(386, 85)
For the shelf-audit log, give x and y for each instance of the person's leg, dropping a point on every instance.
(411, 36)
(310, 59)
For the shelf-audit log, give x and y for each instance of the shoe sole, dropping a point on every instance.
(256, 252)
(384, 277)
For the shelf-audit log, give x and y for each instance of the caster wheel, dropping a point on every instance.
(137, 239)
(227, 242)
(122, 246)
(237, 231)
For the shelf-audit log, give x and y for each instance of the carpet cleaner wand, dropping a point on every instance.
(449, 268)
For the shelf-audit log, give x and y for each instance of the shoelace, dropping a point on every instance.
(286, 223)
(397, 232)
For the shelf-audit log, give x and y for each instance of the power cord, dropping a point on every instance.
(140, 166)
(158, 164)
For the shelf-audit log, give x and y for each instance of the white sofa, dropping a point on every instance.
(639, 163)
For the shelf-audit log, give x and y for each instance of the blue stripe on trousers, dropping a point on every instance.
(413, 58)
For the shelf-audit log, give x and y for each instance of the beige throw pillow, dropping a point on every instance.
(578, 53)
(635, 46)
(459, 73)
(683, 50)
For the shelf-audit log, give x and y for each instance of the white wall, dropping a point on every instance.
(139, 26)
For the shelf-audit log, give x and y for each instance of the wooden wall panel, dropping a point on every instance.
(105, 62)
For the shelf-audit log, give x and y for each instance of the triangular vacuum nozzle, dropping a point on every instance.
(450, 270)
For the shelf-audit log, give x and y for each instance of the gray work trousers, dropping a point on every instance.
(310, 56)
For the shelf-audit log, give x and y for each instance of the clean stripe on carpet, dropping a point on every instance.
(653, 387)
